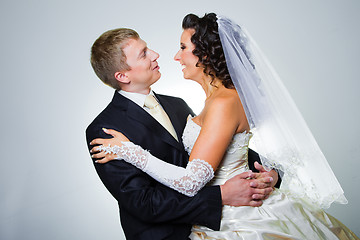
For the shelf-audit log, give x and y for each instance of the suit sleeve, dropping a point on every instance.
(150, 201)
(254, 157)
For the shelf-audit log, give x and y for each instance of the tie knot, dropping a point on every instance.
(150, 101)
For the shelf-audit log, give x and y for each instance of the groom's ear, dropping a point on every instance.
(122, 77)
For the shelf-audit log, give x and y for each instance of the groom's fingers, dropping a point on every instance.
(259, 167)
(246, 175)
(255, 203)
(266, 180)
(261, 183)
(261, 193)
(258, 196)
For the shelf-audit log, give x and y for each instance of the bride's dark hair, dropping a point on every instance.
(208, 46)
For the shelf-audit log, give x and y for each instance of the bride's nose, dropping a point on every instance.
(177, 56)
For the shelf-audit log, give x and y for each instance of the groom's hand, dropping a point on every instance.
(266, 179)
(245, 189)
(265, 176)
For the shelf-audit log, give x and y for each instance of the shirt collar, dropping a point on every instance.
(137, 98)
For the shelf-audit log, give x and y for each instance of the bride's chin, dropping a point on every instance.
(185, 77)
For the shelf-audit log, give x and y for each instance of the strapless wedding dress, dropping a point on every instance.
(280, 217)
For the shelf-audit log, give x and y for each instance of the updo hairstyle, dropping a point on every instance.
(208, 46)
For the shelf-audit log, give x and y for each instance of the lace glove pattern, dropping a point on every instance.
(187, 181)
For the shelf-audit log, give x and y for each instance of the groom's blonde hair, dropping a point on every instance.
(107, 56)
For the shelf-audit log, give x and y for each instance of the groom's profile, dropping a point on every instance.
(148, 209)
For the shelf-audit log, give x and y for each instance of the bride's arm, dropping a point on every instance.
(187, 181)
(218, 128)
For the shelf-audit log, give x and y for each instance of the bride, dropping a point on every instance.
(244, 100)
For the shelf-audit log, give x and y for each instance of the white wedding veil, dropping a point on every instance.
(280, 134)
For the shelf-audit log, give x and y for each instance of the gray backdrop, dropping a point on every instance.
(49, 94)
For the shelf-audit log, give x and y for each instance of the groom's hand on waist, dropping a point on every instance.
(246, 189)
(268, 178)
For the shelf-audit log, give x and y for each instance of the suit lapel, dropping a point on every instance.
(171, 112)
(138, 114)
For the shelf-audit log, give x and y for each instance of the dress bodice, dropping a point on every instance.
(235, 158)
(279, 217)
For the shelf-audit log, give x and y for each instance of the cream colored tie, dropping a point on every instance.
(159, 114)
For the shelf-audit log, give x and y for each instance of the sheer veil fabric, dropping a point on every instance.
(280, 134)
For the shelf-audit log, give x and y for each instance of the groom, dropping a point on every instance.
(148, 209)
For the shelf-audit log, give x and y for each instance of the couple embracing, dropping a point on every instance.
(179, 176)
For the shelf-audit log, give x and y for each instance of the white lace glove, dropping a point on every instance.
(187, 181)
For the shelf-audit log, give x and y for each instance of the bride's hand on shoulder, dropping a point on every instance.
(98, 151)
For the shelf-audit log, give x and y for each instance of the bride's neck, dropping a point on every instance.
(210, 86)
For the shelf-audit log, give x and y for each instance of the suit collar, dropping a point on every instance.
(137, 113)
(171, 112)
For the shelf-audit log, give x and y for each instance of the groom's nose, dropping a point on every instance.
(154, 55)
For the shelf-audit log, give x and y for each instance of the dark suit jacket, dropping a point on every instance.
(148, 209)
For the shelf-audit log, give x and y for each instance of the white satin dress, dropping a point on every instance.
(280, 217)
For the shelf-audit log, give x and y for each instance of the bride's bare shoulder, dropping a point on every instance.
(227, 108)
(227, 99)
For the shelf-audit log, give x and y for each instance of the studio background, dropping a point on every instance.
(49, 94)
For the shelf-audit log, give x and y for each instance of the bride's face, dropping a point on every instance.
(186, 57)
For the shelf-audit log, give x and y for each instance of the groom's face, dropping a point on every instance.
(144, 69)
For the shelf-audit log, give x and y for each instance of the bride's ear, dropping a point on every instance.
(122, 77)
